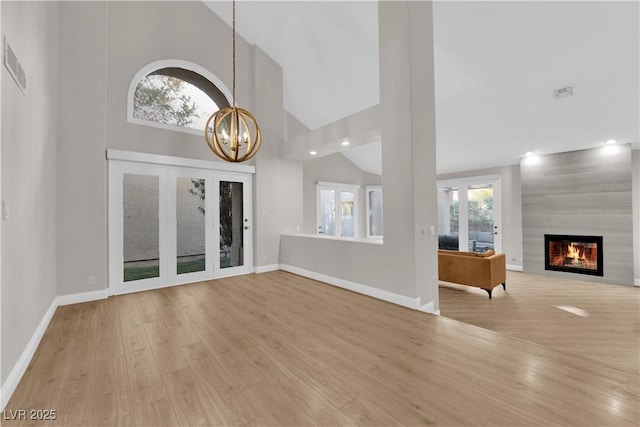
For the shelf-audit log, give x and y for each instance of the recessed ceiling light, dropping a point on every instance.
(529, 154)
(313, 153)
(610, 141)
(345, 143)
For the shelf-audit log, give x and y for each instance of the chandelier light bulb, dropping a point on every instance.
(243, 140)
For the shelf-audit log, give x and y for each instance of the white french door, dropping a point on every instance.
(170, 225)
(233, 225)
(191, 237)
(469, 214)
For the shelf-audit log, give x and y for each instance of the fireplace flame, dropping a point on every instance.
(574, 252)
(568, 254)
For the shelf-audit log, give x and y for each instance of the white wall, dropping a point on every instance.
(82, 186)
(105, 45)
(511, 208)
(1, 220)
(635, 169)
(278, 182)
(29, 144)
(406, 264)
(359, 128)
(139, 33)
(293, 127)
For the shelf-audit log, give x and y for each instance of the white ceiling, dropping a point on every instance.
(496, 65)
(367, 157)
(328, 51)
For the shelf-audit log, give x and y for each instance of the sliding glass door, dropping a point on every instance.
(170, 225)
(469, 214)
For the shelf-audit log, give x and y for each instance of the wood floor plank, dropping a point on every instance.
(114, 407)
(601, 322)
(143, 374)
(279, 349)
(219, 393)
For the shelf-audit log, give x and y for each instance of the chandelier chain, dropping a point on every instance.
(234, 52)
(232, 133)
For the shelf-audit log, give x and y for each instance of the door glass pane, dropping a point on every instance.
(231, 224)
(375, 212)
(190, 222)
(448, 219)
(141, 226)
(481, 230)
(347, 218)
(327, 212)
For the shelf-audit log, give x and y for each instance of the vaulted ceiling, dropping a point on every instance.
(496, 66)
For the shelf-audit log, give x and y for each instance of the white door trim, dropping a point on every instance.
(158, 159)
(117, 170)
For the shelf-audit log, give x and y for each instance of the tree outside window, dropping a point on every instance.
(171, 101)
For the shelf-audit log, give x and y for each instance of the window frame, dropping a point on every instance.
(338, 188)
(368, 190)
(171, 63)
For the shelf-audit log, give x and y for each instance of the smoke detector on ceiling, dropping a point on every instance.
(563, 92)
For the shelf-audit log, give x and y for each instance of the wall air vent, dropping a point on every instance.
(563, 92)
(14, 67)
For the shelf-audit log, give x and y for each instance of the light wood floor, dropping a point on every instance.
(599, 322)
(278, 349)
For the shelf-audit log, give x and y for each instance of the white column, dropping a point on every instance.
(408, 143)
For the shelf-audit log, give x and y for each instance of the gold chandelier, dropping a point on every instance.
(232, 133)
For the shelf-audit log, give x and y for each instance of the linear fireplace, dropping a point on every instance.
(573, 254)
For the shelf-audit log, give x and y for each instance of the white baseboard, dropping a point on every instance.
(82, 297)
(429, 308)
(636, 282)
(22, 364)
(513, 267)
(394, 298)
(266, 268)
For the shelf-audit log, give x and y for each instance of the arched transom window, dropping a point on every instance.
(175, 98)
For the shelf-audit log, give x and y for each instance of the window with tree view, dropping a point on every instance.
(176, 97)
(337, 210)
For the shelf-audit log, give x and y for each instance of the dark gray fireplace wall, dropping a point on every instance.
(586, 192)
